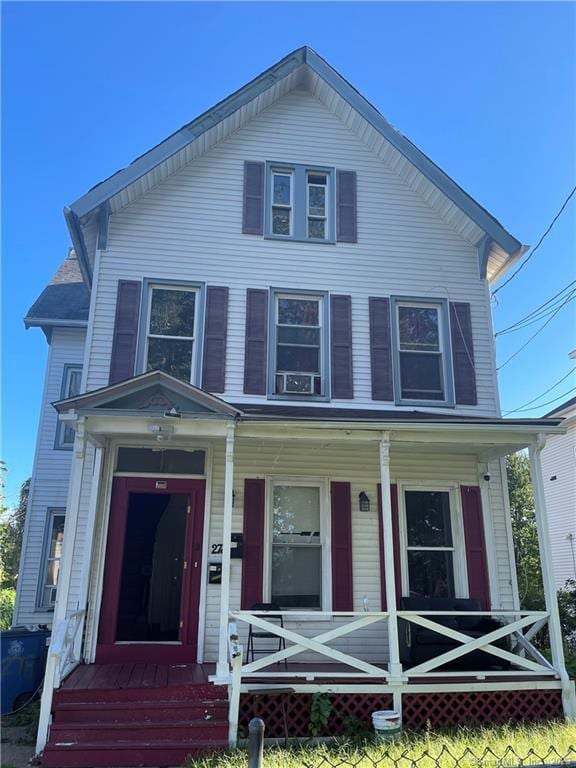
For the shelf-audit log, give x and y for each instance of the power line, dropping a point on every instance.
(538, 244)
(534, 313)
(567, 299)
(523, 406)
(533, 335)
(536, 407)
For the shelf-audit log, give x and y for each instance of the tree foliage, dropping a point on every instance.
(524, 532)
(11, 532)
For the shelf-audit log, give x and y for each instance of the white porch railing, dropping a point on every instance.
(317, 644)
(513, 625)
(62, 659)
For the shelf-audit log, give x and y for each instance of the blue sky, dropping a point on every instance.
(487, 90)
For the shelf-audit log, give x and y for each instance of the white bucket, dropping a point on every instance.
(387, 724)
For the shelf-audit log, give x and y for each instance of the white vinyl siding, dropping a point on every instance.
(189, 227)
(559, 461)
(49, 488)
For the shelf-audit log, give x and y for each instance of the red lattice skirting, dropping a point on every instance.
(440, 710)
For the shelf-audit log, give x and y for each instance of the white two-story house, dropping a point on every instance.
(271, 448)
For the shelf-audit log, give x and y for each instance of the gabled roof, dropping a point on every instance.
(154, 392)
(87, 217)
(559, 410)
(65, 300)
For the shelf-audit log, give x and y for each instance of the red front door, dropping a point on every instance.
(151, 591)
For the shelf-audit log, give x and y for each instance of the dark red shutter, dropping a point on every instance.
(255, 351)
(342, 583)
(341, 346)
(396, 536)
(346, 217)
(215, 332)
(380, 348)
(477, 564)
(253, 199)
(463, 353)
(123, 357)
(253, 558)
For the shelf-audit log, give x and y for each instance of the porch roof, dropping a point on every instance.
(274, 412)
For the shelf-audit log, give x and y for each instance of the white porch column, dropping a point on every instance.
(395, 666)
(52, 673)
(568, 697)
(222, 668)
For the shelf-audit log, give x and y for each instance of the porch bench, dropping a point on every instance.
(418, 644)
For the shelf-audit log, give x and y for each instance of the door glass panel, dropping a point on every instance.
(152, 568)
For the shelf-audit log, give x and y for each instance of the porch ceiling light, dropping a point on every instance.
(363, 502)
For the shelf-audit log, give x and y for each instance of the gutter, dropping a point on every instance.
(41, 322)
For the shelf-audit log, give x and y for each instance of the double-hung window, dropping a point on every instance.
(433, 549)
(171, 332)
(300, 203)
(50, 568)
(422, 366)
(297, 570)
(70, 388)
(299, 347)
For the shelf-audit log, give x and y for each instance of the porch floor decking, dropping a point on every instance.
(149, 676)
(136, 676)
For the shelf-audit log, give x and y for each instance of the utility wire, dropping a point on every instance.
(538, 244)
(523, 406)
(534, 312)
(536, 407)
(540, 316)
(533, 335)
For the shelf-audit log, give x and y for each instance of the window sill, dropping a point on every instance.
(300, 240)
(300, 398)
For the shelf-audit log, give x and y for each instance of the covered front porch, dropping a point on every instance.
(351, 630)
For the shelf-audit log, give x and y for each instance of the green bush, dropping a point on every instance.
(7, 597)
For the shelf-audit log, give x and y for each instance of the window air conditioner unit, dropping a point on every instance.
(295, 383)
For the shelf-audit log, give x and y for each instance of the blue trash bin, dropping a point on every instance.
(23, 660)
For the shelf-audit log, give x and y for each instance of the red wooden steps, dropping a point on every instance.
(110, 718)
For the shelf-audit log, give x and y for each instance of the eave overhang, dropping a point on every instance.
(97, 199)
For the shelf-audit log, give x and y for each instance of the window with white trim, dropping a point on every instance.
(433, 550)
(300, 203)
(70, 388)
(171, 331)
(50, 567)
(421, 358)
(298, 352)
(297, 567)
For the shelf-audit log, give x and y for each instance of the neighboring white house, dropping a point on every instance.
(559, 470)
(288, 397)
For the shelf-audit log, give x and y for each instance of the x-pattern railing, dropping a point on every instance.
(318, 644)
(514, 624)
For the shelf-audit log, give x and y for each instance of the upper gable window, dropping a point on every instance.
(422, 368)
(171, 332)
(300, 203)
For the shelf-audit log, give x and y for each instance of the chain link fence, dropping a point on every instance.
(394, 755)
(445, 758)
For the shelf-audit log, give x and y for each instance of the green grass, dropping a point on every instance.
(448, 749)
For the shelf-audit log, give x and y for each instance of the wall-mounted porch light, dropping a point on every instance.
(363, 502)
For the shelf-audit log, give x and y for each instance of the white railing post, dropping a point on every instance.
(52, 672)
(235, 654)
(395, 666)
(548, 580)
(222, 668)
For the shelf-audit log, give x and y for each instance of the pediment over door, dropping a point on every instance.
(150, 394)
